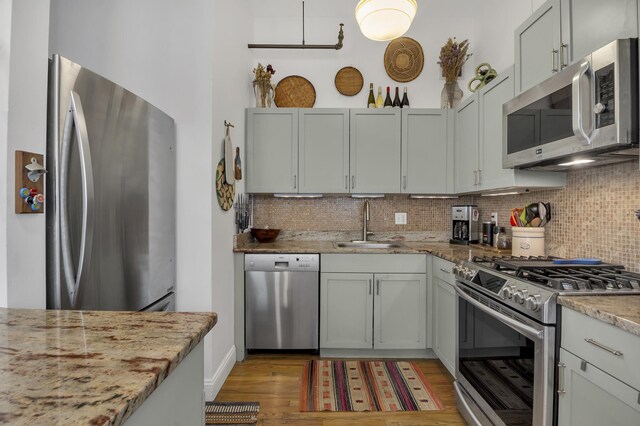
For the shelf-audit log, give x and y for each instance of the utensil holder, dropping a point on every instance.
(527, 241)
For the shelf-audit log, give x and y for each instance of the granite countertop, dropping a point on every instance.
(620, 311)
(88, 367)
(451, 252)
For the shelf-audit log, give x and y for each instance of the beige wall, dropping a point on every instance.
(592, 217)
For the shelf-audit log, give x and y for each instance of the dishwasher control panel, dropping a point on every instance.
(282, 262)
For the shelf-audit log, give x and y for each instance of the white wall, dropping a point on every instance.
(23, 118)
(231, 95)
(162, 50)
(488, 26)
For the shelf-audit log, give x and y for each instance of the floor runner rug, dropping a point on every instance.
(231, 413)
(365, 386)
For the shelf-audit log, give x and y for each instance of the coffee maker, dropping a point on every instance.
(465, 225)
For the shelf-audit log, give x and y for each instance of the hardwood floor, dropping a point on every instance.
(274, 381)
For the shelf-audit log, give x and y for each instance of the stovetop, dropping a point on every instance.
(532, 285)
(565, 278)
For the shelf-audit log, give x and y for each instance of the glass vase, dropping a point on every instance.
(264, 93)
(451, 95)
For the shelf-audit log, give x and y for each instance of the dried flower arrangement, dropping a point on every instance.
(453, 55)
(263, 74)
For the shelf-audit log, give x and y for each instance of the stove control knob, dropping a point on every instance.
(456, 270)
(507, 292)
(534, 302)
(520, 296)
(468, 274)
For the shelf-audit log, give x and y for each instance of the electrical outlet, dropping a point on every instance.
(401, 218)
(494, 217)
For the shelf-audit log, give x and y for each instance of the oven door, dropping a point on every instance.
(504, 365)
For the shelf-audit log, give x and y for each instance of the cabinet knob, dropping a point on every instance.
(599, 108)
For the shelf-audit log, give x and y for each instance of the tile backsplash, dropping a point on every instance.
(592, 217)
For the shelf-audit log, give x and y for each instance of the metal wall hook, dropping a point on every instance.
(228, 124)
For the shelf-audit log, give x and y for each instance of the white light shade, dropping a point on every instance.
(383, 20)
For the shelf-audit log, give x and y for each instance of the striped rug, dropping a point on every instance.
(365, 386)
(231, 413)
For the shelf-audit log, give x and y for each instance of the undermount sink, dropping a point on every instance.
(367, 245)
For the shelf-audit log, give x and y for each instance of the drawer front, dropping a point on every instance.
(442, 269)
(609, 348)
(375, 263)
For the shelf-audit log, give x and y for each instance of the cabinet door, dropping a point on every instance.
(400, 306)
(466, 146)
(537, 43)
(491, 98)
(444, 338)
(272, 150)
(588, 25)
(346, 311)
(324, 151)
(592, 397)
(375, 151)
(427, 151)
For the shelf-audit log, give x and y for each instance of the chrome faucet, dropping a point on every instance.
(365, 221)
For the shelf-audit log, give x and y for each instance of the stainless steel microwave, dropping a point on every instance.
(585, 114)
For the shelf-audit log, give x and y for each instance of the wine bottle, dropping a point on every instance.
(387, 100)
(405, 100)
(371, 103)
(379, 100)
(396, 99)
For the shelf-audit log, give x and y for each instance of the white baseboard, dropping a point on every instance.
(213, 385)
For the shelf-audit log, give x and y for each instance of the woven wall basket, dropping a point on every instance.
(295, 92)
(349, 81)
(404, 59)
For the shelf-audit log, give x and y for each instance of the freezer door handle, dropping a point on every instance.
(75, 118)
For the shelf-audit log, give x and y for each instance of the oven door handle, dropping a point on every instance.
(528, 331)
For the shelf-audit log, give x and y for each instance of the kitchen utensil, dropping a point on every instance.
(349, 81)
(224, 191)
(542, 212)
(522, 217)
(531, 211)
(578, 261)
(229, 171)
(404, 59)
(535, 222)
(295, 92)
(265, 235)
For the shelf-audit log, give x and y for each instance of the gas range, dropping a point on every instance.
(532, 285)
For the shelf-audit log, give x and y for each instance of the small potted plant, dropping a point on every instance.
(262, 86)
(453, 55)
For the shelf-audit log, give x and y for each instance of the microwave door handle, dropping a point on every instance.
(576, 100)
(525, 329)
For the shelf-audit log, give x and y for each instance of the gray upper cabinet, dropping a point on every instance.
(427, 151)
(466, 146)
(561, 32)
(324, 151)
(272, 150)
(479, 145)
(292, 150)
(590, 24)
(537, 44)
(375, 151)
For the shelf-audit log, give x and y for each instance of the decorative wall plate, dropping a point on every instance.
(295, 92)
(404, 59)
(349, 81)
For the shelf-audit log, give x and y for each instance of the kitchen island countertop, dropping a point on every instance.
(89, 367)
(620, 311)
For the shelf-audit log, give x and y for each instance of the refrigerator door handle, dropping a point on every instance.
(75, 115)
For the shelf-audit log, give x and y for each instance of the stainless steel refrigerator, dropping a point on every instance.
(111, 196)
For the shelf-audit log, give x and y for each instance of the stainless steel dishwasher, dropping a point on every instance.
(282, 296)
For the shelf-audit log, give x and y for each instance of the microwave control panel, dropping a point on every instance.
(605, 105)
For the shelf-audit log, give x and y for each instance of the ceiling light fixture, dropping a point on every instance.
(383, 20)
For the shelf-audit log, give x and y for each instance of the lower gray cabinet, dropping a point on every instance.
(444, 330)
(589, 396)
(373, 311)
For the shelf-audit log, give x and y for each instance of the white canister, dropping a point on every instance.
(527, 241)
